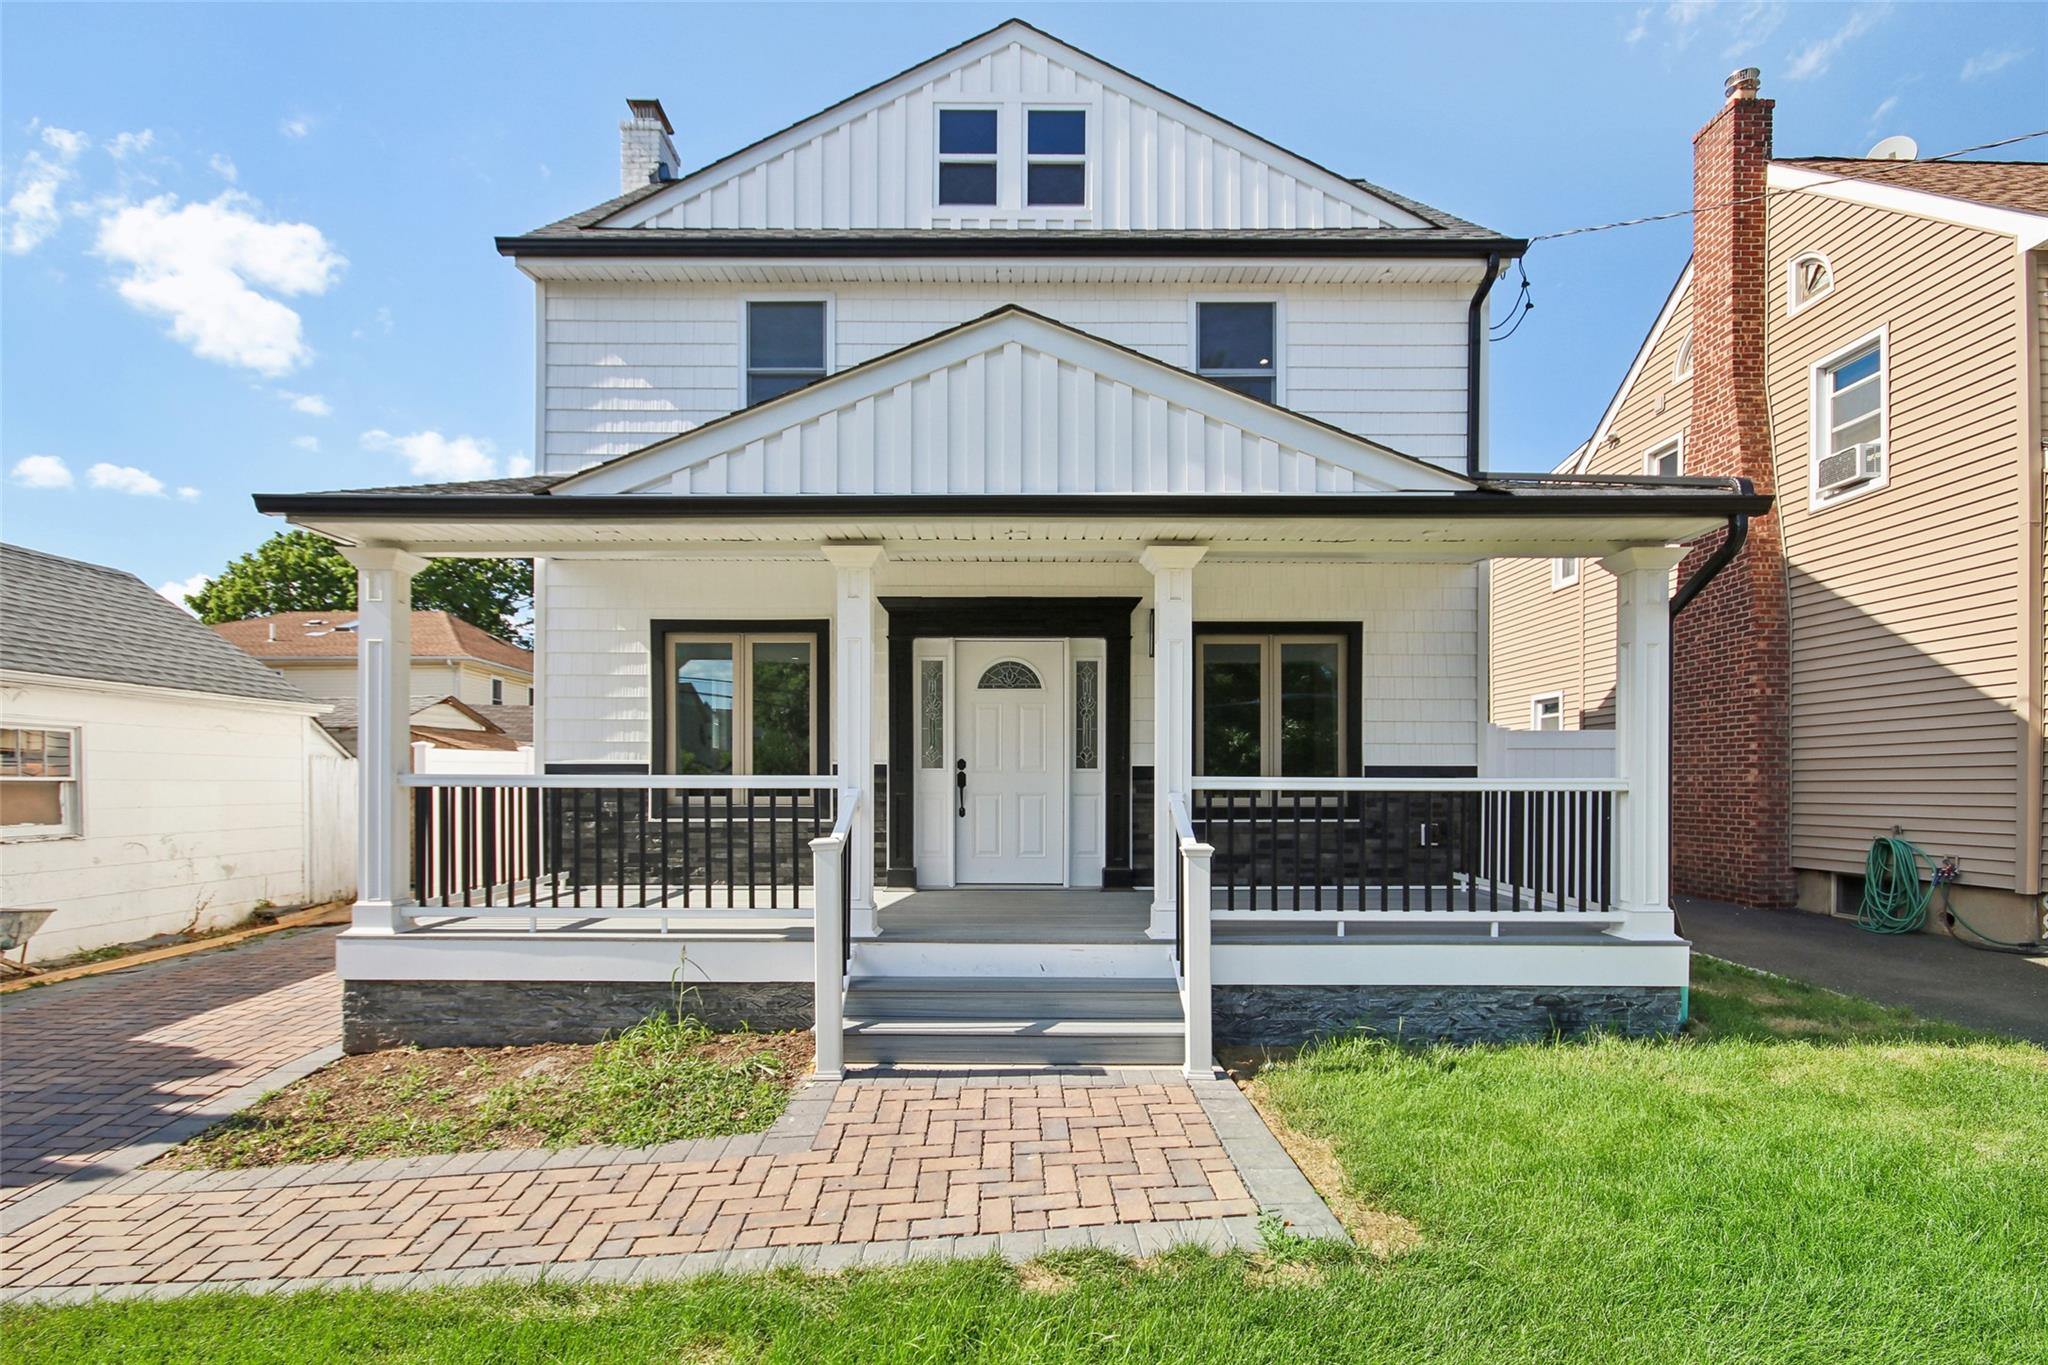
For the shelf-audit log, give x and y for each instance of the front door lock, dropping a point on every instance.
(960, 786)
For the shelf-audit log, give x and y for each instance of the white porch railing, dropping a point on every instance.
(1191, 937)
(1406, 849)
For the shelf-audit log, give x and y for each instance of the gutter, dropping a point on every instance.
(1135, 245)
(1730, 546)
(1474, 336)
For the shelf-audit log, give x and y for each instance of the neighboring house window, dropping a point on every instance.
(497, 691)
(1547, 712)
(785, 347)
(1849, 453)
(529, 696)
(38, 782)
(967, 156)
(1808, 278)
(1270, 706)
(741, 704)
(1681, 365)
(1667, 460)
(1235, 346)
(1056, 156)
(1564, 572)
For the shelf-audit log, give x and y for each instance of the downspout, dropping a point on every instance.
(1730, 546)
(1474, 335)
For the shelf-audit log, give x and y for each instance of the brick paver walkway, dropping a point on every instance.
(90, 1067)
(865, 1161)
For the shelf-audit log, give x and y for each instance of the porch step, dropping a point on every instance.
(1015, 1020)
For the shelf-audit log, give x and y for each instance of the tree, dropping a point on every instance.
(300, 571)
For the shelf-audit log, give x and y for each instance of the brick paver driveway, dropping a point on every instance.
(89, 1068)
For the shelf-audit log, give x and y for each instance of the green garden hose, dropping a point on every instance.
(1895, 901)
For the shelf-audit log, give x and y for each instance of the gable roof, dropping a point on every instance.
(301, 636)
(952, 412)
(1578, 460)
(2018, 185)
(66, 618)
(343, 724)
(1362, 217)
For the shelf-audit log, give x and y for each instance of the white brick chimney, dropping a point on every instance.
(645, 150)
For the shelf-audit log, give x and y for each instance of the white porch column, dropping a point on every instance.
(1642, 737)
(1173, 709)
(383, 734)
(853, 714)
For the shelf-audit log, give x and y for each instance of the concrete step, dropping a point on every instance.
(885, 957)
(1014, 1020)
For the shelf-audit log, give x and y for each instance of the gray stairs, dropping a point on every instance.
(1014, 1020)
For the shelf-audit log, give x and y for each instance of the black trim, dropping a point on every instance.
(908, 245)
(983, 618)
(1724, 553)
(657, 670)
(1475, 315)
(1354, 674)
(596, 769)
(1561, 506)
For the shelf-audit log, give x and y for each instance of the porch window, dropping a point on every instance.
(785, 347)
(38, 783)
(1270, 706)
(741, 704)
(1056, 157)
(967, 156)
(1234, 345)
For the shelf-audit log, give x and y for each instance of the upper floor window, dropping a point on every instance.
(1547, 711)
(1849, 417)
(1235, 346)
(968, 142)
(1270, 706)
(1666, 460)
(1056, 157)
(1808, 278)
(38, 782)
(1564, 572)
(497, 691)
(785, 348)
(1681, 364)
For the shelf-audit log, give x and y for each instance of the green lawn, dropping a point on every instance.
(1802, 1177)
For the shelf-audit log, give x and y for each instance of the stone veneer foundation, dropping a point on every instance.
(1282, 1015)
(381, 1014)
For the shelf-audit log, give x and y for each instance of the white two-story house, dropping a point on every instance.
(1010, 573)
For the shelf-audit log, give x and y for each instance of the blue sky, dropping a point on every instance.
(249, 247)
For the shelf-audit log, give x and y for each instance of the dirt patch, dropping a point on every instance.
(659, 1083)
(1036, 1277)
(1385, 1235)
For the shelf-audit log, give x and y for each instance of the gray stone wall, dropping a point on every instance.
(381, 1014)
(1284, 1015)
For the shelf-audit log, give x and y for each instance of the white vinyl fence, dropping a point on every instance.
(1546, 753)
(330, 826)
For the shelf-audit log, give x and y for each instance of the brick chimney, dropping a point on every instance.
(646, 151)
(1731, 833)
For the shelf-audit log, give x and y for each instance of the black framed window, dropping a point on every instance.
(785, 347)
(1236, 345)
(1272, 705)
(968, 143)
(742, 704)
(1056, 157)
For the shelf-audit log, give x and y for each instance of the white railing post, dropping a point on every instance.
(1198, 992)
(828, 1004)
(1173, 708)
(853, 712)
(1642, 737)
(383, 734)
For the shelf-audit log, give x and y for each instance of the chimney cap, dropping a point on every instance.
(650, 111)
(1742, 83)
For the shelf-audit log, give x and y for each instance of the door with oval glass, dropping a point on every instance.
(1009, 763)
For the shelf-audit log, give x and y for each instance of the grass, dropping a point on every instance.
(1803, 1177)
(664, 1080)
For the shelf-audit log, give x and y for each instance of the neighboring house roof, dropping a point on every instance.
(1577, 462)
(515, 721)
(2021, 185)
(71, 619)
(326, 636)
(343, 723)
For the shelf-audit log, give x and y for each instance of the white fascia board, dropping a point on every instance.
(2030, 229)
(1584, 456)
(623, 473)
(515, 955)
(995, 40)
(17, 678)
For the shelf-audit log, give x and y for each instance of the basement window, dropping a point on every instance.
(38, 783)
(1808, 279)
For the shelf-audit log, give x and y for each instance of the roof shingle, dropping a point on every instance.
(328, 635)
(2021, 185)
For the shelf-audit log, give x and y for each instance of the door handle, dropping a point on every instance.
(960, 786)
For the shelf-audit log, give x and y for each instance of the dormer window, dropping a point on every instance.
(1056, 157)
(968, 143)
(1808, 279)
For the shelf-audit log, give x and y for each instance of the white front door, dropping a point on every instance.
(1009, 762)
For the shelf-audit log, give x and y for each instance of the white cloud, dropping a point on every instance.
(1754, 23)
(298, 125)
(1816, 57)
(1883, 111)
(311, 404)
(175, 592)
(31, 210)
(187, 493)
(1991, 62)
(1640, 29)
(41, 471)
(430, 455)
(224, 166)
(126, 478)
(519, 465)
(200, 265)
(124, 145)
(309, 444)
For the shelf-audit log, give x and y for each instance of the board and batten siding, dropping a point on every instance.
(628, 364)
(1420, 621)
(192, 813)
(1153, 162)
(1547, 639)
(1904, 601)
